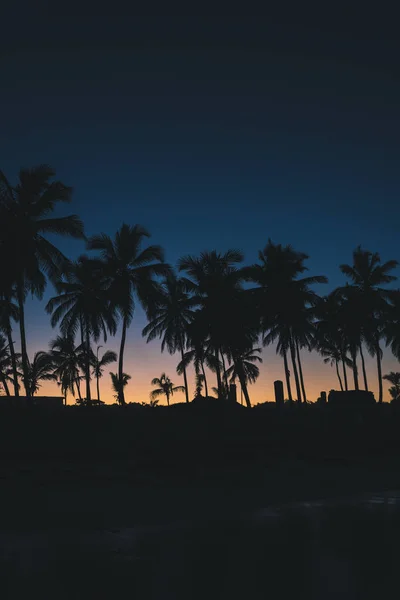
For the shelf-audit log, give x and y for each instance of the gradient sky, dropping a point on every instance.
(212, 133)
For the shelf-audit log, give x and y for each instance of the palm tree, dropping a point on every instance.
(394, 379)
(392, 325)
(83, 305)
(131, 270)
(108, 357)
(8, 312)
(6, 370)
(215, 281)
(244, 369)
(165, 387)
(118, 384)
(171, 318)
(285, 304)
(367, 275)
(67, 360)
(40, 369)
(25, 221)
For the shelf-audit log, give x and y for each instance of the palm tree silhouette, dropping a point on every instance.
(25, 220)
(214, 279)
(67, 361)
(367, 275)
(40, 369)
(6, 367)
(98, 365)
(391, 328)
(165, 388)
(394, 379)
(83, 304)
(243, 367)
(8, 312)
(118, 385)
(131, 270)
(170, 319)
(285, 303)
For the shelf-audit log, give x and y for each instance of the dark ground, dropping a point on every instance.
(183, 486)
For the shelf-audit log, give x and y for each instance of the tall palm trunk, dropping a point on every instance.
(296, 375)
(303, 389)
(4, 382)
(24, 353)
(98, 386)
(205, 379)
(167, 395)
(363, 369)
(243, 385)
(346, 386)
(121, 393)
(287, 375)
(218, 373)
(355, 369)
(88, 396)
(225, 375)
(338, 375)
(78, 387)
(184, 370)
(379, 365)
(13, 360)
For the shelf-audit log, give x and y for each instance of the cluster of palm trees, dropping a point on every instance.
(212, 310)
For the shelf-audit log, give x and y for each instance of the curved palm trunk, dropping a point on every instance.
(243, 385)
(121, 393)
(296, 375)
(346, 386)
(303, 389)
(78, 387)
(88, 396)
(184, 371)
(98, 387)
(4, 382)
(24, 353)
(205, 379)
(13, 360)
(379, 365)
(287, 375)
(355, 369)
(218, 373)
(225, 375)
(363, 369)
(338, 375)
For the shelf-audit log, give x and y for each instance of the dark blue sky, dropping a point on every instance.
(213, 133)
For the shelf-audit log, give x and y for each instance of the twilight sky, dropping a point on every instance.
(213, 133)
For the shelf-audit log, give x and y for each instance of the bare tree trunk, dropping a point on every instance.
(243, 385)
(338, 375)
(355, 369)
(121, 393)
(98, 388)
(379, 365)
(205, 379)
(225, 375)
(13, 360)
(287, 375)
(218, 373)
(24, 353)
(346, 387)
(296, 375)
(184, 370)
(167, 395)
(78, 387)
(303, 389)
(363, 369)
(88, 396)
